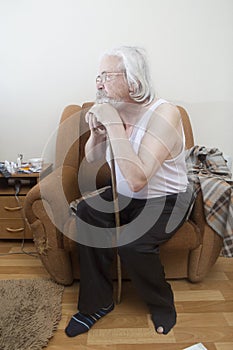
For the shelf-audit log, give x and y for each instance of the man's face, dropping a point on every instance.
(111, 83)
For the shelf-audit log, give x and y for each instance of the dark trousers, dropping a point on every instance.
(145, 224)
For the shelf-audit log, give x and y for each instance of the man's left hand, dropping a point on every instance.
(105, 114)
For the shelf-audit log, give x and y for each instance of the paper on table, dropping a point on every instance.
(198, 346)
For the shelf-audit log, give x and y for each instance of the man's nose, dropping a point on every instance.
(99, 85)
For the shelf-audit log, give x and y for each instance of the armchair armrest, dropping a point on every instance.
(55, 191)
(197, 215)
(203, 257)
(47, 210)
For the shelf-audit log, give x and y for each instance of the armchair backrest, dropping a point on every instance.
(189, 141)
(68, 137)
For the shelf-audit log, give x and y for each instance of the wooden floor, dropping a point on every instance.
(205, 311)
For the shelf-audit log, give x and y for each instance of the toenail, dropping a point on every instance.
(159, 330)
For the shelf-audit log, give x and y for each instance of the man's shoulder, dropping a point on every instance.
(168, 108)
(167, 111)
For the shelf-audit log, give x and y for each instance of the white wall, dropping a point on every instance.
(50, 51)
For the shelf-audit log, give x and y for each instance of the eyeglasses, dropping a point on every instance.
(107, 76)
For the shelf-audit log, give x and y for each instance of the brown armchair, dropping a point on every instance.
(190, 253)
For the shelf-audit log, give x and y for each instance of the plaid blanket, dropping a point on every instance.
(208, 172)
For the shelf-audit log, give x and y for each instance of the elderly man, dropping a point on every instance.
(147, 143)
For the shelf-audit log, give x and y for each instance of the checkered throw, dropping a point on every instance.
(208, 172)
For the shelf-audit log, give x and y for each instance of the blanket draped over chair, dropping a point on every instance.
(209, 173)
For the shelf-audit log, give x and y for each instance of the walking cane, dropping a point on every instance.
(117, 221)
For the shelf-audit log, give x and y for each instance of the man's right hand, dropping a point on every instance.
(96, 127)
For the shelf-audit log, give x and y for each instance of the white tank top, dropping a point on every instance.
(170, 178)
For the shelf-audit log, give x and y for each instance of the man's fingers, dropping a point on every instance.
(88, 116)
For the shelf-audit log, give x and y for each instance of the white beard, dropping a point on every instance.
(101, 97)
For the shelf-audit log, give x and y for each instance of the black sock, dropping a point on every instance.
(167, 321)
(81, 323)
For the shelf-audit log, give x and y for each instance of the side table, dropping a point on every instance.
(12, 221)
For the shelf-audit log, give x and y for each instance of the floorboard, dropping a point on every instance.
(205, 310)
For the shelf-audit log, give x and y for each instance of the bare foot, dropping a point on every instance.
(159, 330)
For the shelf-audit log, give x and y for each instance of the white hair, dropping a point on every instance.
(136, 68)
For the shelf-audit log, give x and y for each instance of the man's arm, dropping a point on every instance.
(162, 140)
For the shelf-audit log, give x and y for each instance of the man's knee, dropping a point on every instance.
(82, 209)
(133, 249)
(125, 250)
